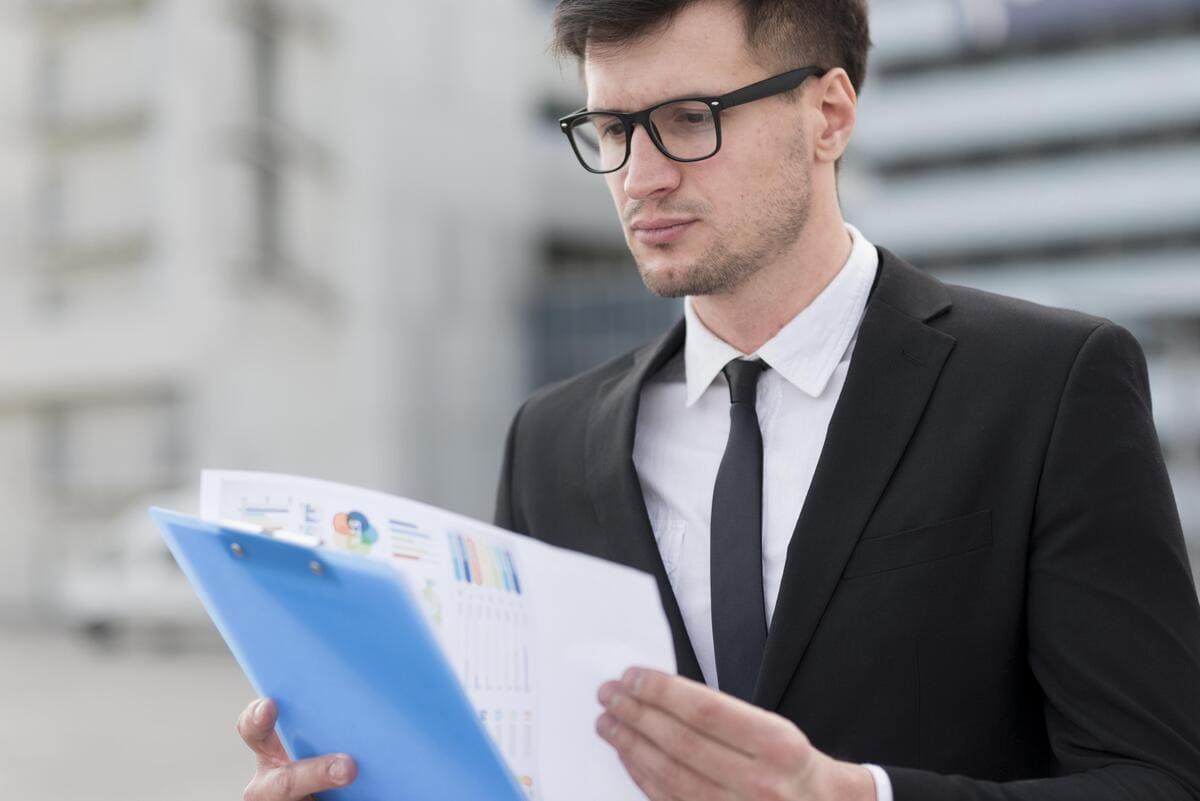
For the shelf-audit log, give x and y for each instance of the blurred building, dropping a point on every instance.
(272, 234)
(345, 239)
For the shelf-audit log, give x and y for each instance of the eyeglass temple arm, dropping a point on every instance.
(767, 87)
(562, 121)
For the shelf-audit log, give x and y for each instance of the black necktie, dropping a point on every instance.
(739, 619)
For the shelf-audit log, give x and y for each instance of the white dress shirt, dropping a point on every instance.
(683, 423)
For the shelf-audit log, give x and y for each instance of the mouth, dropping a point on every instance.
(660, 232)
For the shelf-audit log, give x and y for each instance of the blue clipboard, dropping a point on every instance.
(340, 644)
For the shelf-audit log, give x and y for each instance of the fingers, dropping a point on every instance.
(256, 725)
(278, 778)
(722, 717)
(648, 784)
(297, 781)
(676, 740)
(657, 774)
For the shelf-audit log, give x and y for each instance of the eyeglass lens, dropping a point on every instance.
(685, 130)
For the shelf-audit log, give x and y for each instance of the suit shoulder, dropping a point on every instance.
(1025, 343)
(994, 322)
(977, 313)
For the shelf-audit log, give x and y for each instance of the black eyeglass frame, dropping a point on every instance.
(767, 87)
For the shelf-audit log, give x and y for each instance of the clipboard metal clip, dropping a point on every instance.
(295, 538)
(275, 533)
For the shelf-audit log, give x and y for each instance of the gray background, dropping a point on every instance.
(346, 238)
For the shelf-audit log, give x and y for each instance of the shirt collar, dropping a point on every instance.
(806, 350)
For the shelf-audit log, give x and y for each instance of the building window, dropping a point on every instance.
(590, 306)
(282, 145)
(99, 454)
(92, 208)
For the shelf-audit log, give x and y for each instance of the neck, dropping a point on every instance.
(749, 315)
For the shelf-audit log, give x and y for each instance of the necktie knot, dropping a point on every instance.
(742, 376)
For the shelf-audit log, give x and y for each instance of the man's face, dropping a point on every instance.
(737, 212)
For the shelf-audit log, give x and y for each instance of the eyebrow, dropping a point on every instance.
(673, 98)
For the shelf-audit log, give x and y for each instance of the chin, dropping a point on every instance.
(670, 258)
(664, 280)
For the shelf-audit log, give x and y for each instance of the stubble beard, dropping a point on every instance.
(764, 239)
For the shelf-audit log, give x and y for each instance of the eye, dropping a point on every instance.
(613, 130)
(684, 118)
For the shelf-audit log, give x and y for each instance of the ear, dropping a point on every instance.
(837, 104)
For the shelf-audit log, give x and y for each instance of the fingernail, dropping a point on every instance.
(606, 725)
(633, 680)
(606, 693)
(260, 712)
(339, 770)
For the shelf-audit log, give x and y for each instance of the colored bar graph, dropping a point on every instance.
(483, 564)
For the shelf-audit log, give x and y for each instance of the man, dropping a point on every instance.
(918, 540)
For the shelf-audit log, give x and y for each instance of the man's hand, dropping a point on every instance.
(278, 778)
(683, 740)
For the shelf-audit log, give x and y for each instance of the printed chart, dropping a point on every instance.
(493, 646)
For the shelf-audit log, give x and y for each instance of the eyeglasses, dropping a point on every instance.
(685, 129)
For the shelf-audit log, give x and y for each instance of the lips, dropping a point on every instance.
(660, 231)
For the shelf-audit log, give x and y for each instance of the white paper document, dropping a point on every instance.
(531, 630)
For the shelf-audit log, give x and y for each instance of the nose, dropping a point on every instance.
(648, 173)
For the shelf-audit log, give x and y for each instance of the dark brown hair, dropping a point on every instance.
(784, 34)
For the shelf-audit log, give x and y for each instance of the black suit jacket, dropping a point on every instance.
(987, 590)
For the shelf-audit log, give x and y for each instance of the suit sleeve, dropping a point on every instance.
(1111, 611)
(506, 514)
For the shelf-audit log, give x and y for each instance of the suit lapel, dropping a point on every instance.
(614, 487)
(896, 362)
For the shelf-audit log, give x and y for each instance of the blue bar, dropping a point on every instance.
(512, 566)
(504, 568)
(466, 562)
(454, 558)
(466, 558)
